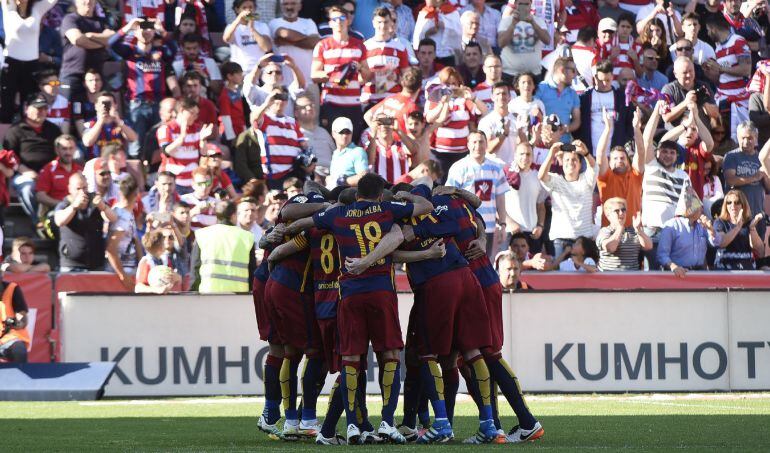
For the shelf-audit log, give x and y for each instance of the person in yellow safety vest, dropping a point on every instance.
(223, 259)
(14, 337)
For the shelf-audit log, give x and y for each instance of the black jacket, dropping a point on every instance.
(623, 131)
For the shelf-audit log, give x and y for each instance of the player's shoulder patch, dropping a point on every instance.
(398, 203)
(299, 199)
(438, 210)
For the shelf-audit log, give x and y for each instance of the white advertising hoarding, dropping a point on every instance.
(556, 342)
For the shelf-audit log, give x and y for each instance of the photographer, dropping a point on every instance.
(249, 38)
(80, 218)
(685, 90)
(388, 157)
(14, 337)
(284, 141)
(108, 127)
(270, 72)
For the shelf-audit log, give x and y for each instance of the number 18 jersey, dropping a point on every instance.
(358, 228)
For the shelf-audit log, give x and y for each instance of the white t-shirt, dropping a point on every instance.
(244, 50)
(521, 203)
(569, 266)
(599, 100)
(492, 124)
(302, 57)
(572, 205)
(702, 51)
(524, 52)
(447, 40)
(525, 111)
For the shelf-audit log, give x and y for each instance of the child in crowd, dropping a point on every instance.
(581, 257)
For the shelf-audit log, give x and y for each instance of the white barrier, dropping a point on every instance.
(556, 342)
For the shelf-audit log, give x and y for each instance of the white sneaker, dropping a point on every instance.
(290, 430)
(336, 440)
(369, 438)
(517, 435)
(309, 428)
(271, 430)
(390, 433)
(353, 435)
(409, 434)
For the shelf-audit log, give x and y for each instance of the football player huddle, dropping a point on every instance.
(326, 290)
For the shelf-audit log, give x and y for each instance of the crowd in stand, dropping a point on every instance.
(599, 135)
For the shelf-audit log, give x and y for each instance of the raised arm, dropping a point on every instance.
(602, 152)
(421, 205)
(641, 153)
(542, 173)
(649, 131)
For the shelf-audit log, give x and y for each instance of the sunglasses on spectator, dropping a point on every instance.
(338, 19)
(103, 173)
(684, 49)
(303, 107)
(345, 132)
(651, 57)
(202, 183)
(53, 83)
(350, 11)
(167, 236)
(620, 210)
(736, 202)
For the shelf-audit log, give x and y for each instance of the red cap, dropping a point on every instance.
(211, 149)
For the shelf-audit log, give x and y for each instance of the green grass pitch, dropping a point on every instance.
(724, 422)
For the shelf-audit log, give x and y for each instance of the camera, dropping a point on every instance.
(253, 16)
(10, 323)
(277, 58)
(385, 120)
(437, 92)
(146, 24)
(306, 158)
(568, 148)
(666, 4)
(701, 95)
(107, 105)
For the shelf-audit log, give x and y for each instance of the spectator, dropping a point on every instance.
(613, 9)
(404, 19)
(15, 340)
(712, 187)
(733, 64)
(509, 269)
(581, 256)
(584, 55)
(741, 234)
(682, 92)
(486, 179)
(22, 258)
(21, 23)
(684, 238)
(292, 186)
(148, 74)
(9, 164)
(192, 87)
(619, 179)
(559, 98)
(51, 186)
(759, 102)
(271, 73)
(617, 44)
(654, 35)
(399, 105)
(489, 20)
(86, 41)
(349, 162)
(386, 58)
(107, 127)
(470, 68)
(151, 151)
(470, 21)
(123, 247)
(32, 140)
(162, 197)
(294, 36)
(663, 15)
(571, 194)
(742, 167)
(525, 203)
(440, 21)
(84, 104)
(281, 138)
(704, 11)
(221, 184)
(80, 218)
(232, 105)
(691, 27)
(187, 24)
(349, 7)
(246, 218)
(619, 244)
(453, 113)
(650, 76)
(528, 109)
(178, 250)
(684, 48)
(202, 203)
(193, 60)
(427, 169)
(319, 142)
(388, 156)
(522, 36)
(540, 261)
(338, 60)
(426, 62)
(181, 141)
(696, 140)
(502, 126)
(594, 102)
(247, 155)
(154, 243)
(493, 73)
(249, 38)
(59, 111)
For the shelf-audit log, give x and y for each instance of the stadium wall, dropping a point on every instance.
(611, 341)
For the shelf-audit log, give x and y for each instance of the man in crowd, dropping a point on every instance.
(151, 150)
(59, 109)
(386, 58)
(162, 196)
(349, 162)
(51, 187)
(683, 90)
(521, 36)
(22, 258)
(500, 125)
(439, 20)
(294, 36)
(272, 76)
(319, 142)
(650, 76)
(743, 169)
(470, 21)
(493, 73)
(489, 19)
(525, 203)
(108, 127)
(192, 60)
(247, 155)
(15, 340)
(559, 98)
(86, 40)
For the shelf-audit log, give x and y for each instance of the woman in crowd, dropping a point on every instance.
(123, 249)
(654, 34)
(580, 257)
(740, 239)
(619, 245)
(212, 160)
(525, 107)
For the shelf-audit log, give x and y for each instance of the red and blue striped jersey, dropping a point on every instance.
(429, 228)
(468, 218)
(326, 272)
(146, 72)
(293, 271)
(358, 228)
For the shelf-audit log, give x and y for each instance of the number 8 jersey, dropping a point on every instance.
(358, 228)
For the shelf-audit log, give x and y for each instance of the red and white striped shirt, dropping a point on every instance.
(483, 92)
(281, 138)
(452, 137)
(397, 106)
(59, 112)
(386, 60)
(207, 216)
(143, 8)
(622, 60)
(732, 88)
(185, 158)
(391, 162)
(335, 55)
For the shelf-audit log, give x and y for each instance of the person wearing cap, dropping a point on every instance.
(270, 71)
(520, 53)
(149, 78)
(32, 139)
(617, 44)
(80, 218)
(349, 162)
